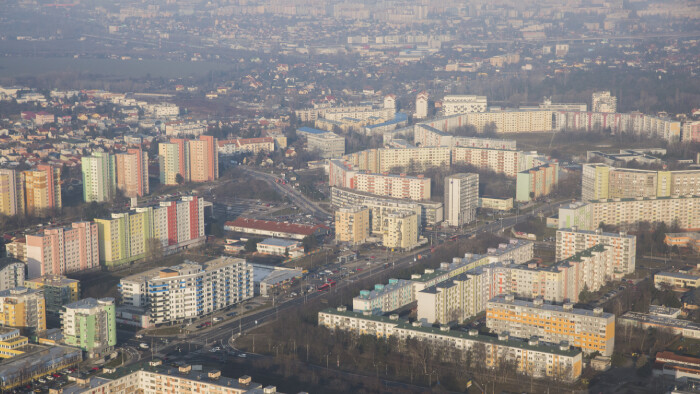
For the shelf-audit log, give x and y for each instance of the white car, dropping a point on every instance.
(242, 355)
(215, 349)
(143, 345)
(218, 319)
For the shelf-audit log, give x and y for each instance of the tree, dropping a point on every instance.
(310, 243)
(154, 249)
(179, 179)
(585, 295)
(251, 245)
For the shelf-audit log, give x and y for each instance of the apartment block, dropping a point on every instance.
(430, 212)
(132, 172)
(384, 298)
(328, 144)
(395, 186)
(11, 273)
(90, 325)
(17, 249)
(421, 105)
(152, 378)
(130, 236)
(352, 225)
(461, 198)
(590, 330)
(509, 121)
(462, 104)
(666, 128)
(189, 290)
(576, 214)
(99, 177)
(536, 182)
(683, 211)
(58, 251)
(194, 160)
(601, 182)
(58, 291)
(23, 308)
(11, 193)
(440, 134)
(42, 189)
(501, 161)
(534, 357)
(453, 300)
(572, 241)
(604, 102)
(400, 230)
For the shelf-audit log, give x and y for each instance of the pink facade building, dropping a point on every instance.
(59, 251)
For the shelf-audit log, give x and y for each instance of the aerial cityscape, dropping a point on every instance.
(362, 196)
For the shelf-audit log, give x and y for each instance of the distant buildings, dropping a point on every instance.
(11, 193)
(604, 102)
(58, 251)
(189, 290)
(280, 247)
(246, 145)
(23, 308)
(90, 325)
(601, 182)
(537, 181)
(328, 144)
(99, 177)
(384, 298)
(462, 104)
(421, 105)
(352, 224)
(461, 198)
(628, 212)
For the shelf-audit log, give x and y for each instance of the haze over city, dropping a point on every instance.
(365, 196)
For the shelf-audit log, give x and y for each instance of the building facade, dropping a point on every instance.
(572, 241)
(461, 198)
(90, 324)
(11, 273)
(534, 358)
(352, 225)
(42, 189)
(462, 104)
(400, 230)
(99, 177)
(11, 193)
(132, 173)
(58, 291)
(23, 308)
(189, 290)
(58, 251)
(592, 331)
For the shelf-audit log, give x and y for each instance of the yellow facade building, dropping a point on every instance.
(23, 308)
(352, 225)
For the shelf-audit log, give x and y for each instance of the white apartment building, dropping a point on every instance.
(395, 186)
(572, 241)
(400, 230)
(462, 104)
(421, 105)
(183, 128)
(533, 357)
(189, 290)
(328, 144)
(461, 198)
(604, 102)
(590, 330)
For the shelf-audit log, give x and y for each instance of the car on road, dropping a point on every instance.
(138, 336)
(143, 345)
(242, 355)
(232, 314)
(218, 319)
(215, 349)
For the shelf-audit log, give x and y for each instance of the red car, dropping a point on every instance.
(95, 368)
(359, 269)
(56, 375)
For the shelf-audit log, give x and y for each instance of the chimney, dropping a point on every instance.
(598, 311)
(473, 332)
(503, 336)
(538, 301)
(394, 316)
(564, 345)
(444, 328)
(568, 306)
(534, 341)
(509, 298)
(342, 308)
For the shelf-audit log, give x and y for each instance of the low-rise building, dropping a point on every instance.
(532, 357)
(327, 144)
(11, 342)
(496, 203)
(685, 328)
(677, 366)
(280, 247)
(36, 362)
(271, 228)
(676, 279)
(592, 331)
(683, 240)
